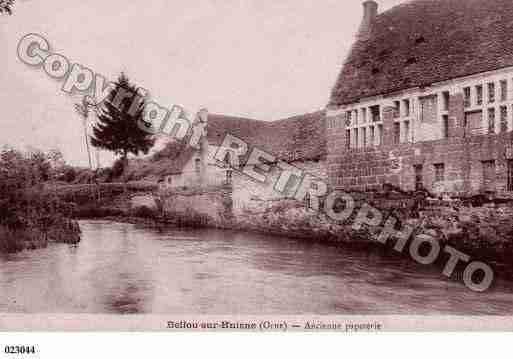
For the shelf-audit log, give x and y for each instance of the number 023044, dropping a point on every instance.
(19, 349)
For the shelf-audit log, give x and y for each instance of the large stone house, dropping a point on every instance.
(424, 100)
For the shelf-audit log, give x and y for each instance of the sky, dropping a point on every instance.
(261, 59)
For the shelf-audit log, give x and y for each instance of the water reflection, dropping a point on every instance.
(124, 269)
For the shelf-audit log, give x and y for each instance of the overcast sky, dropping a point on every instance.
(263, 59)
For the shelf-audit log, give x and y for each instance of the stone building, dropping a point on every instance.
(298, 141)
(425, 100)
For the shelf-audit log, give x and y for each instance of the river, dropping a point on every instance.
(126, 268)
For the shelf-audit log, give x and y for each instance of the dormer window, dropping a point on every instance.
(491, 92)
(375, 113)
(397, 109)
(445, 97)
(479, 95)
(466, 97)
(406, 106)
(504, 90)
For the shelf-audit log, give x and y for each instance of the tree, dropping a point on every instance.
(6, 6)
(83, 110)
(117, 129)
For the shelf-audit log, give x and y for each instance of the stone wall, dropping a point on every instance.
(249, 194)
(371, 168)
(227, 204)
(211, 205)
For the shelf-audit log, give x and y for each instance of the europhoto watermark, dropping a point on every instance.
(34, 50)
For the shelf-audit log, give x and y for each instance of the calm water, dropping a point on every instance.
(124, 268)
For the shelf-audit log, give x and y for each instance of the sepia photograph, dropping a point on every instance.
(256, 166)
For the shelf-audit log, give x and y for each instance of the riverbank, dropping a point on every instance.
(483, 231)
(29, 237)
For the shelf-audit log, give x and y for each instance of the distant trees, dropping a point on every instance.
(24, 169)
(30, 214)
(6, 7)
(117, 128)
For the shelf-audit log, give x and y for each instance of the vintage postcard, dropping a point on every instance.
(253, 166)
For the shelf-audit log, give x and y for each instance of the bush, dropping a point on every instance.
(145, 212)
(84, 176)
(118, 168)
(28, 212)
(92, 211)
(70, 174)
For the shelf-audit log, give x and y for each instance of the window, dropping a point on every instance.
(445, 126)
(445, 96)
(356, 143)
(489, 175)
(228, 159)
(510, 175)
(406, 131)
(504, 119)
(372, 136)
(397, 132)
(491, 92)
(479, 95)
(429, 109)
(348, 118)
(419, 180)
(375, 113)
(466, 97)
(348, 138)
(397, 109)
(364, 137)
(439, 172)
(504, 90)
(406, 106)
(491, 120)
(364, 115)
(474, 122)
(197, 165)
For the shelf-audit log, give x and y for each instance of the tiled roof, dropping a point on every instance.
(298, 138)
(426, 41)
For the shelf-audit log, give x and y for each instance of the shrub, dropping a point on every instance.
(145, 212)
(70, 174)
(92, 211)
(118, 168)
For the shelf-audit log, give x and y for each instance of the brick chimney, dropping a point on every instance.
(370, 10)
